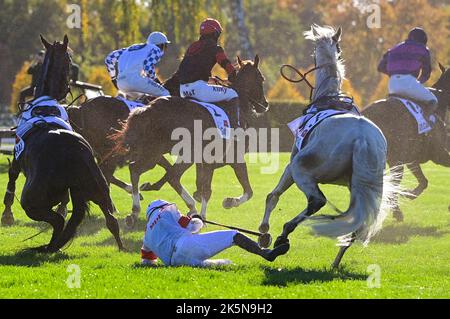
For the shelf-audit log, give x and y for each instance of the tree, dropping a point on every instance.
(237, 12)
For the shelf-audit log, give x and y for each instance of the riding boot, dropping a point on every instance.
(249, 245)
(235, 106)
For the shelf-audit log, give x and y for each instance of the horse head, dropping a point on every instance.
(442, 91)
(329, 66)
(249, 83)
(54, 78)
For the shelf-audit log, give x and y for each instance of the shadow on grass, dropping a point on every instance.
(283, 277)
(132, 246)
(401, 233)
(28, 258)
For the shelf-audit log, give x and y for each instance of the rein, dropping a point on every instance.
(302, 76)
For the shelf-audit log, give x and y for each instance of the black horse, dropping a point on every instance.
(58, 162)
(405, 145)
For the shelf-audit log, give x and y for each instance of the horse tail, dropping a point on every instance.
(370, 192)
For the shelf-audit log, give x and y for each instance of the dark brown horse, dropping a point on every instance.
(147, 136)
(405, 146)
(58, 162)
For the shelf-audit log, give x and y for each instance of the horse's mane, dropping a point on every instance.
(323, 38)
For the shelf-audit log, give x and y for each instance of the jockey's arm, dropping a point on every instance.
(426, 68)
(224, 62)
(152, 59)
(111, 61)
(193, 225)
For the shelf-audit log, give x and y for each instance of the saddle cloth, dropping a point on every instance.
(34, 115)
(303, 125)
(424, 125)
(130, 104)
(220, 118)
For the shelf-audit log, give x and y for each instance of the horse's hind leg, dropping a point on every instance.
(423, 182)
(107, 207)
(204, 179)
(48, 216)
(316, 200)
(241, 172)
(341, 253)
(285, 182)
(80, 208)
(13, 174)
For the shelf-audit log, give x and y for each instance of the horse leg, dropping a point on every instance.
(285, 182)
(107, 207)
(50, 217)
(204, 179)
(240, 170)
(423, 182)
(174, 179)
(135, 173)
(164, 163)
(62, 208)
(397, 172)
(316, 200)
(341, 253)
(13, 174)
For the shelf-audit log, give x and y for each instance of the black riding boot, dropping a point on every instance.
(234, 104)
(249, 245)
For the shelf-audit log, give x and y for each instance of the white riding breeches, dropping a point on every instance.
(408, 86)
(204, 92)
(132, 83)
(193, 250)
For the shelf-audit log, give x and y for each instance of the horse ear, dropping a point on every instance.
(239, 60)
(337, 36)
(66, 41)
(46, 44)
(442, 68)
(257, 60)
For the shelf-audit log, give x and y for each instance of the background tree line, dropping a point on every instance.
(271, 28)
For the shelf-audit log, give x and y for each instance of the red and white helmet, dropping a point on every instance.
(210, 26)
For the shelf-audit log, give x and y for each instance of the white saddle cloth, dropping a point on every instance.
(416, 111)
(130, 104)
(303, 125)
(27, 120)
(220, 118)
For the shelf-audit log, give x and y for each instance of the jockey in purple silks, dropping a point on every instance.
(409, 66)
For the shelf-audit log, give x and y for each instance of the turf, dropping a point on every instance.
(413, 257)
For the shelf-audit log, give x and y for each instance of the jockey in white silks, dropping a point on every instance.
(175, 239)
(132, 69)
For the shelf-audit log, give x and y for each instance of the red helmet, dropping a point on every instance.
(210, 26)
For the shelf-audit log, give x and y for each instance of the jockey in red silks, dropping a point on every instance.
(409, 66)
(175, 239)
(132, 69)
(199, 59)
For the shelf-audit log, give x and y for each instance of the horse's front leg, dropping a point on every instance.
(423, 182)
(240, 170)
(136, 169)
(397, 176)
(285, 182)
(13, 174)
(204, 180)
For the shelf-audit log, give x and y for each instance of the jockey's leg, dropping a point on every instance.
(137, 83)
(408, 86)
(205, 92)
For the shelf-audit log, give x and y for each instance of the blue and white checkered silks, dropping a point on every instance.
(111, 60)
(152, 59)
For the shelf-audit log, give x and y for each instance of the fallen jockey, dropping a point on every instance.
(41, 111)
(132, 69)
(200, 58)
(175, 239)
(408, 65)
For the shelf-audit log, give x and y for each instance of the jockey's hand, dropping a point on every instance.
(197, 216)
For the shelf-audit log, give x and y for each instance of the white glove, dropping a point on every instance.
(195, 225)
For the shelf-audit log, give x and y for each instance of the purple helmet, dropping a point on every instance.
(418, 35)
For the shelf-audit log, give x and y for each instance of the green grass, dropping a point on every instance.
(414, 256)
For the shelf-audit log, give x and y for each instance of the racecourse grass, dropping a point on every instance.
(413, 256)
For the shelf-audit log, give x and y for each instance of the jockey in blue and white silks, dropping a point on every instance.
(133, 68)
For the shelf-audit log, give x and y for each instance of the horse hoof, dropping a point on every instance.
(130, 221)
(265, 240)
(229, 203)
(7, 219)
(410, 195)
(264, 228)
(280, 241)
(398, 216)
